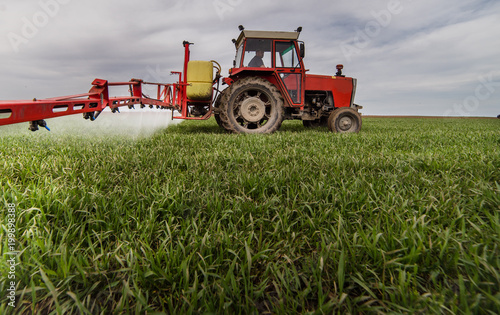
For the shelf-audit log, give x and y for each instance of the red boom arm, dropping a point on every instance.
(91, 104)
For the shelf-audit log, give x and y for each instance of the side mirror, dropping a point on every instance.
(302, 50)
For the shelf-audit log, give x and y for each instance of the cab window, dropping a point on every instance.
(286, 55)
(257, 53)
(239, 56)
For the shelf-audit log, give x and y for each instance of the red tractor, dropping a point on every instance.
(267, 84)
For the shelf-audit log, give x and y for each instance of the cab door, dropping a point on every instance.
(290, 70)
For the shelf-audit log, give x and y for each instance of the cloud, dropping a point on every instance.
(424, 58)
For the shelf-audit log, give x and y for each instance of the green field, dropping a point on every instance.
(403, 217)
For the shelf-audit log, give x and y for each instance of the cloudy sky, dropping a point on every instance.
(411, 57)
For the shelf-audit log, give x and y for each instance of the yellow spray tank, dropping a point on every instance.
(200, 76)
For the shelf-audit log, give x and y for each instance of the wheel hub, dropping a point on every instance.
(345, 123)
(253, 109)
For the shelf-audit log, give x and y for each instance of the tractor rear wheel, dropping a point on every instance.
(252, 105)
(344, 119)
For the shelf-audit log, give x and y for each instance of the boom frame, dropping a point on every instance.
(169, 96)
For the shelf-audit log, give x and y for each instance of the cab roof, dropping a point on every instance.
(266, 35)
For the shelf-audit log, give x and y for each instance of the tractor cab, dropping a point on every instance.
(277, 54)
(264, 45)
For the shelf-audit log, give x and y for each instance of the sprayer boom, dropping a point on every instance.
(191, 99)
(90, 104)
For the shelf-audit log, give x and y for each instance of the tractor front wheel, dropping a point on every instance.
(252, 105)
(344, 120)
